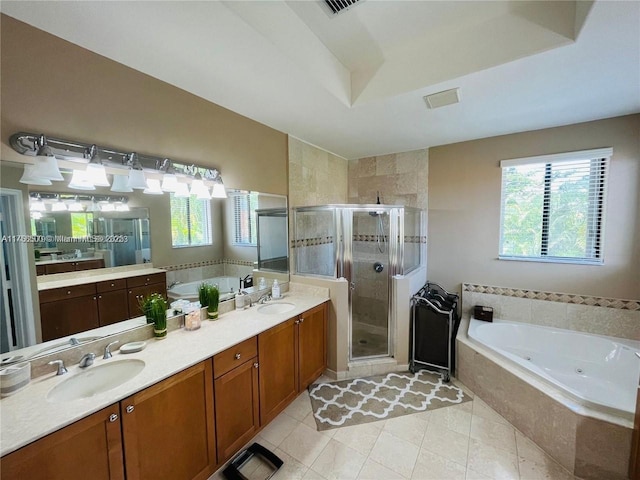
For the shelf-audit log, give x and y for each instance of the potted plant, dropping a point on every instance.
(203, 296)
(154, 307)
(213, 296)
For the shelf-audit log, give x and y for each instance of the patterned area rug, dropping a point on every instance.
(363, 400)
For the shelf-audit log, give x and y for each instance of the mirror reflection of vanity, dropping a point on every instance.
(147, 225)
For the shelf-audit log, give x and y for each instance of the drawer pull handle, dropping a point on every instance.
(237, 355)
(68, 292)
(297, 322)
(113, 417)
(130, 408)
(301, 320)
(112, 284)
(256, 365)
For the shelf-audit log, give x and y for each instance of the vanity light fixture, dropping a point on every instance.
(30, 176)
(182, 191)
(121, 184)
(76, 206)
(58, 205)
(153, 187)
(196, 184)
(121, 207)
(107, 207)
(137, 179)
(95, 170)
(46, 161)
(36, 215)
(169, 179)
(80, 180)
(120, 163)
(37, 205)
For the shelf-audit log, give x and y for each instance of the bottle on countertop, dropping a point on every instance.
(240, 300)
(275, 289)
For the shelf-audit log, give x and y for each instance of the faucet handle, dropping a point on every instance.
(87, 360)
(107, 350)
(61, 368)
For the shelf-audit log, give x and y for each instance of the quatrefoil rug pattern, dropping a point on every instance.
(363, 400)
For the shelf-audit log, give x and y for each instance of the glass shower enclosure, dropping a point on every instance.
(367, 245)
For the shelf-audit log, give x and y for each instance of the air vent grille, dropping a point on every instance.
(338, 6)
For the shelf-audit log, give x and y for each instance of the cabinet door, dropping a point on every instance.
(137, 293)
(89, 448)
(113, 307)
(168, 429)
(69, 316)
(312, 345)
(277, 354)
(237, 415)
(90, 264)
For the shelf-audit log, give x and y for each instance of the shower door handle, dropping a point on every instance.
(352, 285)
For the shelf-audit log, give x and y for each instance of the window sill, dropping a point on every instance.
(574, 261)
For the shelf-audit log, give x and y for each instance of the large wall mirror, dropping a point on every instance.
(237, 234)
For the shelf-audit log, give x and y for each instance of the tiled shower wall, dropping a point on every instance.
(401, 179)
(316, 177)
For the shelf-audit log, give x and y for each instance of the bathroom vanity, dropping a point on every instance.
(105, 297)
(200, 397)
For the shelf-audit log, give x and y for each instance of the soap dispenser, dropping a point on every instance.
(240, 300)
(275, 289)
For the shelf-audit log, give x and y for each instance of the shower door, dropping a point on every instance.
(372, 250)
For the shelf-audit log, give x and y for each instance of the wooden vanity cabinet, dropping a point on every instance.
(71, 266)
(89, 448)
(142, 286)
(168, 429)
(312, 345)
(278, 353)
(237, 397)
(113, 301)
(291, 356)
(67, 311)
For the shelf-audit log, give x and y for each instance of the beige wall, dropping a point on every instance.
(464, 212)
(54, 87)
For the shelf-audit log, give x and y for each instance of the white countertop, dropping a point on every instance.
(59, 280)
(27, 415)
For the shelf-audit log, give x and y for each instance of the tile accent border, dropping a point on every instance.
(311, 242)
(633, 305)
(206, 263)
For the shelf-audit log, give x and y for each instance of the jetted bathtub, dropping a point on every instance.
(228, 286)
(595, 370)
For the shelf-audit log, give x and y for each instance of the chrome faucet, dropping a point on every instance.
(74, 341)
(87, 360)
(61, 368)
(173, 284)
(107, 350)
(265, 298)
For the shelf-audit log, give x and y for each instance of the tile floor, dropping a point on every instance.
(468, 441)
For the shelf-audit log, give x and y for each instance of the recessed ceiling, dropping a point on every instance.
(353, 83)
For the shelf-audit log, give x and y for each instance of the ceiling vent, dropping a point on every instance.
(441, 99)
(338, 6)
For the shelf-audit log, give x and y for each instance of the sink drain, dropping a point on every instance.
(579, 370)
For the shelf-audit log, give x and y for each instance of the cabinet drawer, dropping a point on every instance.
(110, 285)
(55, 294)
(143, 280)
(235, 356)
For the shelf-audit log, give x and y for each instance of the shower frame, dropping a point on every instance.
(343, 256)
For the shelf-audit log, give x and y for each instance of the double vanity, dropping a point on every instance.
(177, 409)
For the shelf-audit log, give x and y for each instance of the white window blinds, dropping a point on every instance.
(553, 207)
(190, 221)
(244, 213)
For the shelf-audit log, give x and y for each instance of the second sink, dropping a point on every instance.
(95, 380)
(276, 308)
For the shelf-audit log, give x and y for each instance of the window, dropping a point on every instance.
(553, 207)
(244, 214)
(190, 221)
(81, 224)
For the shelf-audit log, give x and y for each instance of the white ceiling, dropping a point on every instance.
(353, 83)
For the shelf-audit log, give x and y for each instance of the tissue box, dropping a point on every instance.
(14, 378)
(483, 313)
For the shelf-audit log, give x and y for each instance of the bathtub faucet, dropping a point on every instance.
(246, 282)
(173, 284)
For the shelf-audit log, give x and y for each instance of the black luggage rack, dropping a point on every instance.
(434, 324)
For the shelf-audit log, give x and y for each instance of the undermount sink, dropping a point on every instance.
(95, 380)
(276, 308)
